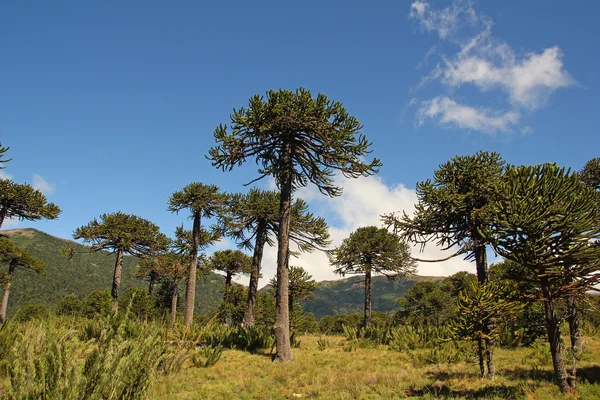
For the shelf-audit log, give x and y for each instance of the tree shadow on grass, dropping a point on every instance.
(444, 375)
(443, 391)
(521, 373)
(589, 374)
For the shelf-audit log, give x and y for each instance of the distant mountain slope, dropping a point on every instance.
(82, 275)
(348, 295)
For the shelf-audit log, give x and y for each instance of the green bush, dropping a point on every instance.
(97, 303)
(31, 312)
(69, 305)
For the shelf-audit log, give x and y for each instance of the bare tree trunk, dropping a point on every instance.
(117, 280)
(553, 326)
(190, 290)
(261, 238)
(282, 312)
(174, 303)
(482, 278)
(480, 354)
(367, 319)
(575, 334)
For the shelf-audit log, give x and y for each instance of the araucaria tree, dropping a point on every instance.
(301, 287)
(450, 212)
(252, 220)
(202, 201)
(296, 139)
(546, 222)
(24, 202)
(122, 234)
(14, 257)
(372, 251)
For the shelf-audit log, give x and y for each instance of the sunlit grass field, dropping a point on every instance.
(328, 368)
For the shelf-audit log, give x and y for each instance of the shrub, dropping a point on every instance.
(31, 312)
(97, 303)
(69, 305)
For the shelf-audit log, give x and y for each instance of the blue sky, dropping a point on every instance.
(111, 106)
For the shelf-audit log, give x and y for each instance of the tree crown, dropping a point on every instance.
(206, 200)
(372, 249)
(293, 135)
(230, 261)
(16, 257)
(123, 232)
(24, 202)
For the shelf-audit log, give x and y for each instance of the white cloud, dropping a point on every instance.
(487, 63)
(451, 114)
(361, 204)
(4, 175)
(10, 223)
(42, 185)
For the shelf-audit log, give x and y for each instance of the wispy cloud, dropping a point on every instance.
(486, 63)
(42, 185)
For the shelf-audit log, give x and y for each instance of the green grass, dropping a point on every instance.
(324, 367)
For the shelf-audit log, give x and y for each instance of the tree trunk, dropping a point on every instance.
(151, 283)
(367, 320)
(282, 312)
(261, 238)
(480, 354)
(4, 305)
(117, 280)
(553, 326)
(190, 290)
(174, 303)
(3, 214)
(575, 333)
(482, 278)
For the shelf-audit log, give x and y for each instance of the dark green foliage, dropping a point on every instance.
(137, 303)
(125, 232)
(454, 284)
(322, 135)
(256, 339)
(450, 208)
(24, 202)
(590, 174)
(70, 306)
(97, 304)
(301, 288)
(31, 312)
(426, 303)
(230, 262)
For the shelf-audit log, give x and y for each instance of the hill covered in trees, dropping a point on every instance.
(346, 296)
(83, 274)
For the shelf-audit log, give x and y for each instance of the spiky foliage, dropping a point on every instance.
(201, 201)
(11, 258)
(371, 251)
(3, 151)
(252, 220)
(296, 139)
(122, 234)
(24, 202)
(302, 287)
(450, 207)
(425, 303)
(590, 174)
(231, 262)
(546, 222)
(480, 306)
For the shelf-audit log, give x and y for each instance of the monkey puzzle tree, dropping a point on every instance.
(545, 222)
(24, 202)
(255, 216)
(14, 257)
(450, 211)
(296, 139)
(371, 251)
(301, 287)
(122, 234)
(202, 201)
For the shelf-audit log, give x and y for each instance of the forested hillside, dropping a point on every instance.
(83, 274)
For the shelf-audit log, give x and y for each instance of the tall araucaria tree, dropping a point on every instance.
(253, 218)
(372, 251)
(546, 222)
(122, 234)
(450, 213)
(301, 286)
(202, 201)
(14, 257)
(296, 139)
(24, 202)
